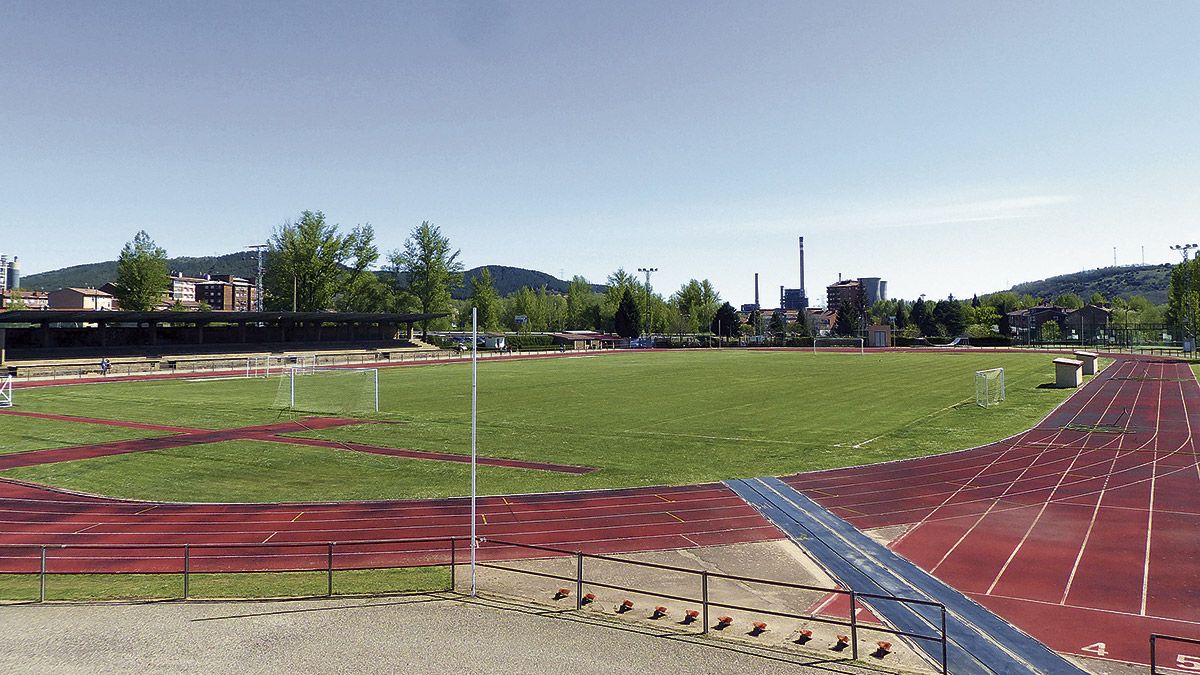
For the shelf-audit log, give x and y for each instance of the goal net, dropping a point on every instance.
(838, 342)
(989, 387)
(328, 390)
(6, 391)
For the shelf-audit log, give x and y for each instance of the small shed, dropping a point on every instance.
(1089, 361)
(1068, 373)
(879, 336)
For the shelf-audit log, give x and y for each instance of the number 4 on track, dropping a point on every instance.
(1099, 649)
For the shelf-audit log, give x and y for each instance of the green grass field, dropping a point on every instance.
(641, 419)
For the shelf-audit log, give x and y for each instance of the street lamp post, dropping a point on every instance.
(1184, 249)
(648, 271)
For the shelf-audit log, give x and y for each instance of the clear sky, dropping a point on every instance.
(944, 146)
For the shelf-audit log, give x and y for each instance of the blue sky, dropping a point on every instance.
(946, 147)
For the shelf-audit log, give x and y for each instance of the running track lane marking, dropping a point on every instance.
(269, 537)
(673, 516)
(1153, 481)
(146, 510)
(297, 516)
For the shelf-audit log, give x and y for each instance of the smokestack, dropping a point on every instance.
(756, 290)
(781, 296)
(802, 267)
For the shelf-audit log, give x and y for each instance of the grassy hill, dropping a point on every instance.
(245, 264)
(1150, 281)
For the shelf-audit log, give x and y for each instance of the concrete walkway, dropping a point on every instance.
(438, 633)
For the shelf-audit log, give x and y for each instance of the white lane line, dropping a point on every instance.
(269, 537)
(87, 528)
(1150, 514)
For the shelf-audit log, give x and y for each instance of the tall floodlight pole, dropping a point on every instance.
(258, 280)
(648, 271)
(474, 408)
(1184, 250)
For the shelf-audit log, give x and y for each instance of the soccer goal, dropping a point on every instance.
(6, 391)
(329, 390)
(842, 342)
(989, 387)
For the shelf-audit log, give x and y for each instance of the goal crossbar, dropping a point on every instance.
(850, 342)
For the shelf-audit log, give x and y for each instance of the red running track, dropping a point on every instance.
(1084, 531)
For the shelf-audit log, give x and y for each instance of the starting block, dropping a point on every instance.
(758, 628)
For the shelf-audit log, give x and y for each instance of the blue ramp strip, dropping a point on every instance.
(979, 641)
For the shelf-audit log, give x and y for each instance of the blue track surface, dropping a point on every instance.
(979, 641)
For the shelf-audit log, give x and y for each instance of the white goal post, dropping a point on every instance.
(989, 387)
(850, 342)
(328, 390)
(6, 388)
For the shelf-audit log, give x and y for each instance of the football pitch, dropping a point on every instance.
(630, 419)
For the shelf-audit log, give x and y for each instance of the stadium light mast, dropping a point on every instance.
(258, 280)
(1184, 250)
(648, 271)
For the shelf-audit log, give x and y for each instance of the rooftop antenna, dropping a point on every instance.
(1114, 256)
(258, 280)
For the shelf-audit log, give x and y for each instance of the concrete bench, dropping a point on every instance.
(1089, 361)
(1068, 373)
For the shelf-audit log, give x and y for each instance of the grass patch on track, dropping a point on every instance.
(640, 418)
(242, 585)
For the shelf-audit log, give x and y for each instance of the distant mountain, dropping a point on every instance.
(1150, 281)
(94, 275)
(507, 280)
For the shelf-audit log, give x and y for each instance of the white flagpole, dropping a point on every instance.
(474, 388)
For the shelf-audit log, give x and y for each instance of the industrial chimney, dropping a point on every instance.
(802, 267)
(756, 305)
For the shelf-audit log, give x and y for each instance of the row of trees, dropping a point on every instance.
(313, 266)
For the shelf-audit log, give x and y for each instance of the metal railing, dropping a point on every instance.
(318, 557)
(706, 602)
(1182, 661)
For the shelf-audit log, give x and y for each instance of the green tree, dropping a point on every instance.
(1183, 298)
(1050, 332)
(847, 320)
(725, 321)
(580, 299)
(922, 317)
(778, 325)
(754, 321)
(485, 300)
(901, 318)
(1069, 301)
(142, 275)
(949, 316)
(430, 269)
(627, 321)
(697, 302)
(1098, 299)
(312, 267)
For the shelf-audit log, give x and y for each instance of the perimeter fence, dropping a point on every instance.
(172, 571)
